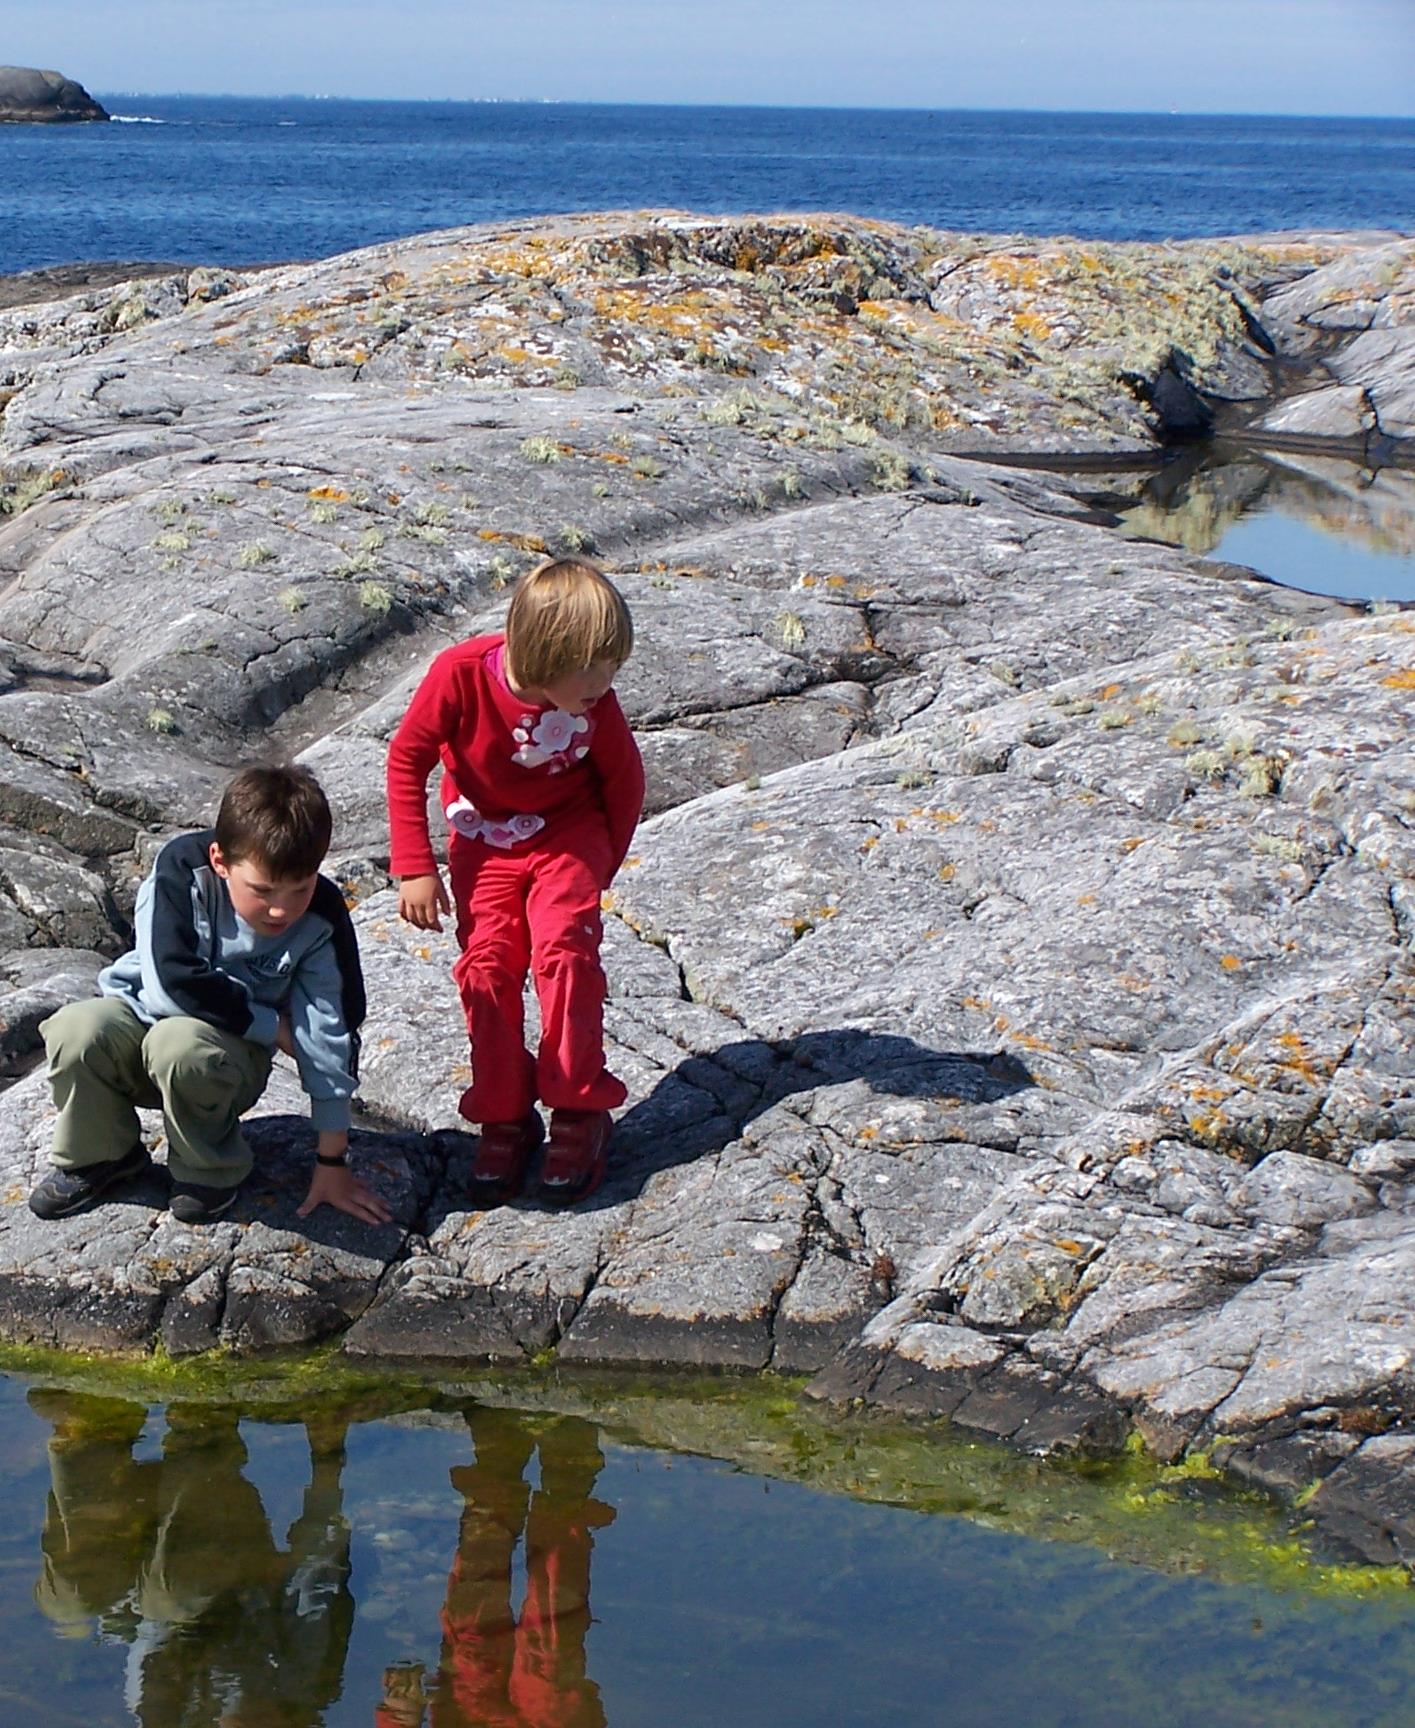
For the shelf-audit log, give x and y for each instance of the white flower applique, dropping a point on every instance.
(556, 740)
(465, 819)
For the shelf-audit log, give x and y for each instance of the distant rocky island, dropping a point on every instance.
(28, 94)
(1013, 975)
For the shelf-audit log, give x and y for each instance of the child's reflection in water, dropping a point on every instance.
(175, 1558)
(498, 1671)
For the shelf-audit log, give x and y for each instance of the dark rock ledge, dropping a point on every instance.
(28, 94)
(1013, 981)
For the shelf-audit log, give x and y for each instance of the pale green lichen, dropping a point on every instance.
(542, 451)
(791, 629)
(375, 598)
(1205, 765)
(253, 554)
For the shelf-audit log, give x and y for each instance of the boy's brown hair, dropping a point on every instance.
(565, 615)
(278, 815)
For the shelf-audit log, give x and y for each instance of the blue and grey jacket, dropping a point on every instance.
(195, 956)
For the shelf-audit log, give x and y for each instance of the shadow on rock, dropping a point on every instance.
(709, 1100)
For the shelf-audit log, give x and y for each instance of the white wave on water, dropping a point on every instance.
(137, 120)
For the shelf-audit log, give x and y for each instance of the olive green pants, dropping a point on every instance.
(105, 1063)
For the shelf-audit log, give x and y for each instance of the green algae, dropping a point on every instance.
(1181, 1518)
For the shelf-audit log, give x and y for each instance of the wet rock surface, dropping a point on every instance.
(1012, 978)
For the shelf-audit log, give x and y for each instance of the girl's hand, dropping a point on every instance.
(422, 900)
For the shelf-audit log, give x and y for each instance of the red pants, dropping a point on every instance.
(535, 910)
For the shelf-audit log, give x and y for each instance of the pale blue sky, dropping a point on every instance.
(1193, 56)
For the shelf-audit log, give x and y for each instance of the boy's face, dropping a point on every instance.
(268, 903)
(577, 691)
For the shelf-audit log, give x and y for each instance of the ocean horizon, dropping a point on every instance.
(253, 180)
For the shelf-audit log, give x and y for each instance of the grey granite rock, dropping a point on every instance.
(1012, 979)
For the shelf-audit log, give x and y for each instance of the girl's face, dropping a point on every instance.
(577, 691)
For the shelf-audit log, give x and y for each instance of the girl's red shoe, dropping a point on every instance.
(503, 1156)
(576, 1157)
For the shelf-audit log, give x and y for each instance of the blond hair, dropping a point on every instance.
(565, 615)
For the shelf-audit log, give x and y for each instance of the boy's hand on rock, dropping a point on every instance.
(337, 1186)
(422, 900)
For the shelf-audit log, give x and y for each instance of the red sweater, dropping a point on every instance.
(505, 758)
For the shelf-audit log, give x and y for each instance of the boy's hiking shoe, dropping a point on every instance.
(504, 1152)
(65, 1191)
(196, 1203)
(577, 1156)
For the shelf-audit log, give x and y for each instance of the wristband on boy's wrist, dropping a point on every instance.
(336, 1159)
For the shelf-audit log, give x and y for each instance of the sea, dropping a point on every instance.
(228, 180)
(238, 180)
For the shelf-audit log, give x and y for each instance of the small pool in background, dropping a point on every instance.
(1317, 523)
(544, 1553)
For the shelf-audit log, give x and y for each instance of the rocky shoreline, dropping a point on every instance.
(1013, 978)
(29, 95)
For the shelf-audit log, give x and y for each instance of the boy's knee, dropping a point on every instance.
(179, 1051)
(76, 1030)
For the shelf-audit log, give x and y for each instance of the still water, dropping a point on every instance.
(683, 1556)
(1317, 523)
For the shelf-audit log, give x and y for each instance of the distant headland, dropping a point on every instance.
(28, 94)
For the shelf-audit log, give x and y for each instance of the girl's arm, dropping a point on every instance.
(435, 717)
(621, 774)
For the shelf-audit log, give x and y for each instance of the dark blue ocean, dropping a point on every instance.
(228, 180)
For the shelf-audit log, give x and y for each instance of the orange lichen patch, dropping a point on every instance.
(867, 1133)
(1229, 962)
(1110, 692)
(1030, 325)
(1402, 680)
(1208, 1124)
(607, 901)
(946, 872)
(940, 818)
(1298, 1057)
(824, 912)
(632, 862)
(1030, 1041)
(1085, 899)
(1014, 271)
(1132, 845)
(1001, 1021)
(1207, 1094)
(522, 542)
(329, 494)
(870, 844)
(760, 827)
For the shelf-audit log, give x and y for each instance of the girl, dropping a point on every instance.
(542, 786)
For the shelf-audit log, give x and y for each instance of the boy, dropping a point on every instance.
(542, 786)
(242, 948)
